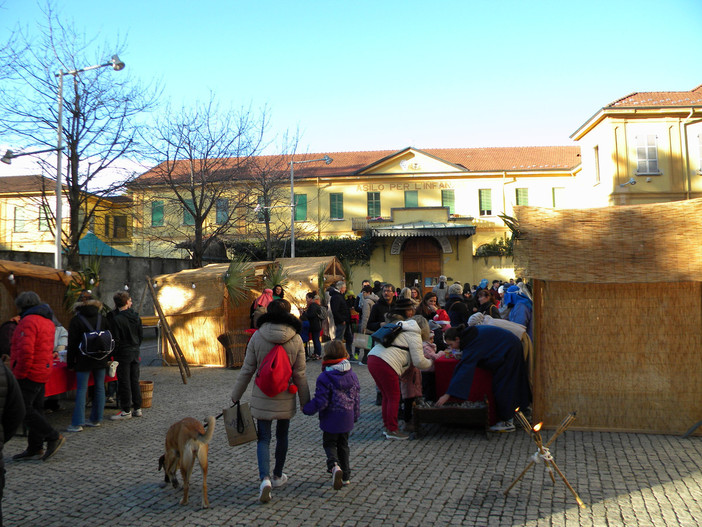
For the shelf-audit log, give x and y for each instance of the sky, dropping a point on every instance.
(379, 75)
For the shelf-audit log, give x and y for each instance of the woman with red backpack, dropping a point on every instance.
(276, 327)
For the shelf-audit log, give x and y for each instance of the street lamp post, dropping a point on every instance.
(117, 65)
(327, 160)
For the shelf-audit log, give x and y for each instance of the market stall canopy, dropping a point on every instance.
(28, 270)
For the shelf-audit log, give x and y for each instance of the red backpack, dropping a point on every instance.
(274, 375)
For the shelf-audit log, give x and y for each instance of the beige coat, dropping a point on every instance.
(273, 330)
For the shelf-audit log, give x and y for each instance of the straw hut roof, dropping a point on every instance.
(196, 290)
(656, 242)
(49, 283)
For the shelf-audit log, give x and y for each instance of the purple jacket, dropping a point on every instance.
(338, 401)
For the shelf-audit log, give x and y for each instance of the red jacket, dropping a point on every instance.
(33, 345)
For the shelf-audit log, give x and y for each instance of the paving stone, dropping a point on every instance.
(450, 476)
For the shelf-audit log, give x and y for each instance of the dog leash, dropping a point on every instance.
(219, 415)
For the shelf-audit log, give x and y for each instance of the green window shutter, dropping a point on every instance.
(20, 223)
(222, 215)
(157, 213)
(373, 204)
(411, 198)
(336, 206)
(485, 195)
(522, 196)
(188, 218)
(300, 207)
(43, 218)
(448, 199)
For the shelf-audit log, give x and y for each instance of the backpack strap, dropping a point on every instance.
(87, 324)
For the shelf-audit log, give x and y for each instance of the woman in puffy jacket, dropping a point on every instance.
(276, 326)
(86, 309)
(386, 365)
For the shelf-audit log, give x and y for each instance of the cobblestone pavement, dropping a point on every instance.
(451, 476)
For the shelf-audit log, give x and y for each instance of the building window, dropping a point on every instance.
(119, 226)
(260, 209)
(597, 164)
(336, 206)
(558, 196)
(647, 154)
(43, 218)
(222, 215)
(448, 199)
(411, 198)
(485, 199)
(20, 220)
(300, 207)
(373, 204)
(157, 213)
(188, 218)
(522, 196)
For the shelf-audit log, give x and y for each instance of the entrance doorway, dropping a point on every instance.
(421, 261)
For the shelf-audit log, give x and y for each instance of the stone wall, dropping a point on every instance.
(115, 272)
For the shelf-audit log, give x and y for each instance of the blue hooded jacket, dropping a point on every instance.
(337, 399)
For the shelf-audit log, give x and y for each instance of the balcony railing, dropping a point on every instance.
(362, 224)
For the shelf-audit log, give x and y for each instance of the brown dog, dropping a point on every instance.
(185, 441)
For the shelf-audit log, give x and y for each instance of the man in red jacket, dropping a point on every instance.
(31, 355)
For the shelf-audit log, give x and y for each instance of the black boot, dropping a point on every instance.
(378, 399)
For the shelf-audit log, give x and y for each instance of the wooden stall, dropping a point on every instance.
(197, 307)
(617, 314)
(49, 283)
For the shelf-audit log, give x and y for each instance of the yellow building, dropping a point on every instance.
(429, 210)
(27, 207)
(643, 148)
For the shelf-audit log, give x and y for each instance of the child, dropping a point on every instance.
(337, 399)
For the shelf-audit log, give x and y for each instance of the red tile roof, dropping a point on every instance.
(498, 159)
(661, 99)
(23, 184)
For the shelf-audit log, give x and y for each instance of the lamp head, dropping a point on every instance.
(327, 160)
(7, 158)
(117, 64)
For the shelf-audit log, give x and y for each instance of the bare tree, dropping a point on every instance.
(100, 108)
(203, 154)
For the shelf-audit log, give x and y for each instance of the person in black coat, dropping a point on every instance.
(128, 334)
(342, 315)
(11, 416)
(315, 314)
(88, 318)
(381, 308)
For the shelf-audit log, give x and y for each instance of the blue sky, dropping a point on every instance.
(373, 75)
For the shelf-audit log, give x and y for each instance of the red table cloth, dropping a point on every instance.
(481, 387)
(62, 380)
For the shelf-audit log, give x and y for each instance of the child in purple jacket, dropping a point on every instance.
(338, 401)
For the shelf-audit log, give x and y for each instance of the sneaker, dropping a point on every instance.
(93, 424)
(264, 491)
(346, 482)
(121, 415)
(28, 456)
(52, 447)
(503, 426)
(110, 400)
(72, 428)
(279, 481)
(396, 434)
(337, 476)
(137, 413)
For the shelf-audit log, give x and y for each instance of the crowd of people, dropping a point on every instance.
(483, 326)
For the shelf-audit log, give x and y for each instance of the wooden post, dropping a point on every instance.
(177, 352)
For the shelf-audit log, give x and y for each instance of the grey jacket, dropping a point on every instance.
(273, 330)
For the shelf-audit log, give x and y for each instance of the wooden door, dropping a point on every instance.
(421, 258)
